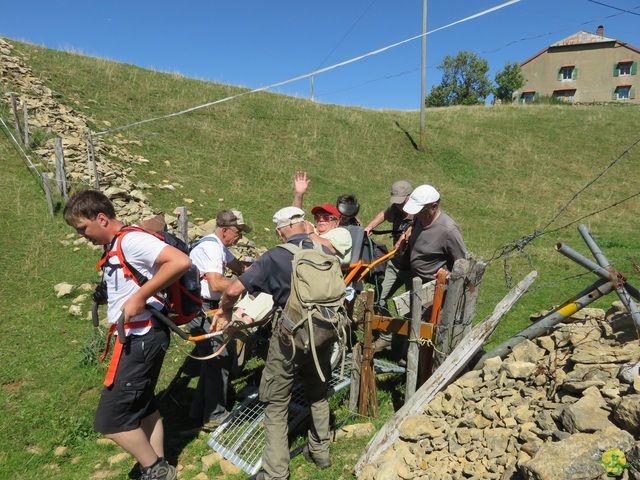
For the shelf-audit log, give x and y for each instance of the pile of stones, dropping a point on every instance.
(550, 410)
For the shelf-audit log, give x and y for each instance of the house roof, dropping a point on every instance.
(581, 38)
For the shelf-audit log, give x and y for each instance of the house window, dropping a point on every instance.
(624, 92)
(564, 95)
(528, 96)
(567, 72)
(624, 68)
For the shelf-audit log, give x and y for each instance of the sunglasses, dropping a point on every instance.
(324, 218)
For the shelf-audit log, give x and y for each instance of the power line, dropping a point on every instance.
(316, 72)
(616, 8)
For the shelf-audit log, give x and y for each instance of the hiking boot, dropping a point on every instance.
(215, 421)
(160, 471)
(257, 476)
(321, 463)
(382, 344)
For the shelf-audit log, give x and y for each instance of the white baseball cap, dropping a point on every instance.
(421, 196)
(288, 216)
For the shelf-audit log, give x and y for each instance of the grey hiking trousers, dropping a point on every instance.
(275, 390)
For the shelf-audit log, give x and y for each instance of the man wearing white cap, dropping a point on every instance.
(435, 242)
(271, 274)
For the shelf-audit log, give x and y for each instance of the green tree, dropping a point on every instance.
(464, 81)
(508, 81)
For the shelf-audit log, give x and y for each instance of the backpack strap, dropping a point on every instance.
(199, 241)
(296, 248)
(128, 270)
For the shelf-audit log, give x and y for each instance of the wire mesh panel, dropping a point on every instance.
(240, 437)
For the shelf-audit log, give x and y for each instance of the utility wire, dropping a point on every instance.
(316, 72)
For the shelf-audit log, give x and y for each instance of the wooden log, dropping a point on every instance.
(447, 372)
(413, 354)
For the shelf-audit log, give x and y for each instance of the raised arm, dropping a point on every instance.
(300, 185)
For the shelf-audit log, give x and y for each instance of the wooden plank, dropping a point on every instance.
(403, 302)
(399, 326)
(447, 372)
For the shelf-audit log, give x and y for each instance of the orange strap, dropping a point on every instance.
(117, 349)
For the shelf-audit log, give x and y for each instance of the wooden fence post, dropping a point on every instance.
(183, 230)
(459, 307)
(46, 185)
(16, 120)
(25, 125)
(92, 168)
(413, 354)
(368, 394)
(61, 174)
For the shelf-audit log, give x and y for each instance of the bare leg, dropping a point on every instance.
(154, 430)
(137, 444)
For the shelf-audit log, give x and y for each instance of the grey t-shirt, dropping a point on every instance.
(437, 246)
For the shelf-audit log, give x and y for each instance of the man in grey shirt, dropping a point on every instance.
(435, 242)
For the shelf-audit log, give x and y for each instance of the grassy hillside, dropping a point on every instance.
(503, 173)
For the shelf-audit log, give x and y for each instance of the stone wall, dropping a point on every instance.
(548, 411)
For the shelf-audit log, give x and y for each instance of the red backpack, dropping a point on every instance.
(182, 298)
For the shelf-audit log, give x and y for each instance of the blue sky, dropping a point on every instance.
(258, 43)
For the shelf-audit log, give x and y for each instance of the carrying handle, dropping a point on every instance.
(122, 335)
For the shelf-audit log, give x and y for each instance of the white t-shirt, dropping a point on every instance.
(210, 255)
(341, 241)
(140, 250)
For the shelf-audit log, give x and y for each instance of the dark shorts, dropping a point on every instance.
(131, 397)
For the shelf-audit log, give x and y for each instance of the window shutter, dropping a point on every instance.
(632, 93)
(614, 94)
(634, 68)
(535, 96)
(559, 74)
(574, 74)
(616, 70)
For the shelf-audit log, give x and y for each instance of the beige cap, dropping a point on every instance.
(288, 216)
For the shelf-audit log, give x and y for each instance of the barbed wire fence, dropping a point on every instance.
(41, 149)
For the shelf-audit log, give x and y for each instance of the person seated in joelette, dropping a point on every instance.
(329, 233)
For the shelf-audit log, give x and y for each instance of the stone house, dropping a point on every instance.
(584, 67)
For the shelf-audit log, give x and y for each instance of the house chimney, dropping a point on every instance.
(600, 31)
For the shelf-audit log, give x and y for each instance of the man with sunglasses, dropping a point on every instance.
(435, 242)
(212, 256)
